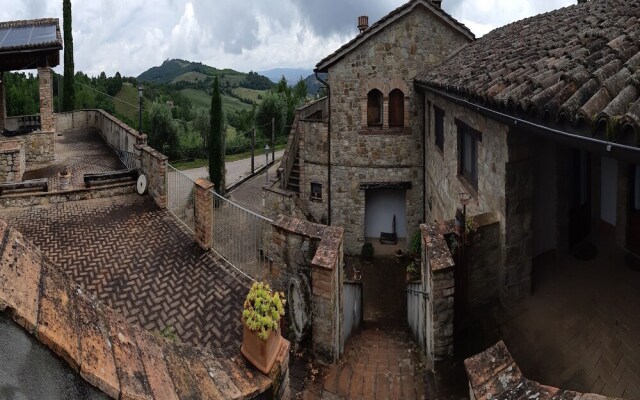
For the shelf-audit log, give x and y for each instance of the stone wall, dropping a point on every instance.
(310, 257)
(47, 119)
(35, 199)
(438, 269)
(386, 61)
(484, 258)
(39, 146)
(3, 103)
(278, 201)
(118, 135)
(154, 165)
(12, 161)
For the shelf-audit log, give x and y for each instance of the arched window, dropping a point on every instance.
(374, 108)
(396, 108)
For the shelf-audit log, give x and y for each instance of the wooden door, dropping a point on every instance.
(633, 237)
(580, 202)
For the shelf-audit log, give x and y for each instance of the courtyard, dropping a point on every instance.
(137, 259)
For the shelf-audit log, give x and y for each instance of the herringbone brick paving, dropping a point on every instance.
(137, 259)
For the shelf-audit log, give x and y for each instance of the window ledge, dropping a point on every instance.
(385, 131)
(316, 199)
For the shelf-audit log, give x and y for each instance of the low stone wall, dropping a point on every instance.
(154, 165)
(484, 257)
(306, 262)
(278, 201)
(35, 199)
(12, 161)
(438, 274)
(494, 375)
(39, 146)
(116, 133)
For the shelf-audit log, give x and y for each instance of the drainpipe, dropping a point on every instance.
(612, 148)
(326, 84)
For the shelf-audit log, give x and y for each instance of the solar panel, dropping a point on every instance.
(27, 36)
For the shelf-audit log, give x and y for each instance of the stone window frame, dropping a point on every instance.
(375, 97)
(468, 177)
(439, 116)
(391, 111)
(315, 185)
(385, 86)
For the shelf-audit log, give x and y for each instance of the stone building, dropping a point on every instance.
(356, 157)
(539, 122)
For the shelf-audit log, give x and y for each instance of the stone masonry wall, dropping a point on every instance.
(311, 256)
(12, 161)
(47, 119)
(388, 60)
(438, 274)
(3, 103)
(154, 166)
(484, 258)
(39, 146)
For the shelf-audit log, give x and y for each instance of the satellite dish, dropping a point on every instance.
(141, 185)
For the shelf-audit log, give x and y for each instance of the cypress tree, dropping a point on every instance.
(216, 141)
(68, 90)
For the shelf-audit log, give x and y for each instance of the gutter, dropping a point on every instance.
(326, 84)
(612, 148)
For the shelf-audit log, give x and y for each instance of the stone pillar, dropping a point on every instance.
(3, 104)
(203, 213)
(46, 99)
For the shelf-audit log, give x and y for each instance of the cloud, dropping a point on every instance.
(131, 36)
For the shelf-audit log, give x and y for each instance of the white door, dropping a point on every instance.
(380, 207)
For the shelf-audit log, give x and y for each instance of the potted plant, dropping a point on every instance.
(415, 246)
(261, 316)
(64, 177)
(367, 253)
(399, 255)
(413, 272)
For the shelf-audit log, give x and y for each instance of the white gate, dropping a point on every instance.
(352, 310)
(419, 311)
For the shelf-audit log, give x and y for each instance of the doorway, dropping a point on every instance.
(580, 200)
(381, 207)
(633, 238)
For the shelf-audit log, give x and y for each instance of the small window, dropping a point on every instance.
(316, 191)
(439, 120)
(396, 108)
(374, 108)
(468, 139)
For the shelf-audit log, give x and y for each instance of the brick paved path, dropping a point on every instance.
(379, 363)
(135, 258)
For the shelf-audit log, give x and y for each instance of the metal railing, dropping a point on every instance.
(240, 237)
(128, 159)
(181, 197)
(290, 154)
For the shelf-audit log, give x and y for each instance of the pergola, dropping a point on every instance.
(31, 44)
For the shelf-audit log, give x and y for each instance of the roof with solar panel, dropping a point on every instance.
(29, 44)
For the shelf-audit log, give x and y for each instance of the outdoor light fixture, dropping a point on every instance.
(266, 157)
(140, 90)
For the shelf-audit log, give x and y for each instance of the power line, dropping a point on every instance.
(108, 95)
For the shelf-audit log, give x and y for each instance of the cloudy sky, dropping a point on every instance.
(131, 36)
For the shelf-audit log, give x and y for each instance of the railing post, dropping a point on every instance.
(203, 213)
(273, 140)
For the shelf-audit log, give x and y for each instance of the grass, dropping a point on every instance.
(129, 94)
(191, 77)
(202, 100)
(203, 162)
(250, 94)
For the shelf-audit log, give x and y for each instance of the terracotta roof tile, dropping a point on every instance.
(578, 64)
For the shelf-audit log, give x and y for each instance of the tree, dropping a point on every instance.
(202, 125)
(163, 133)
(274, 105)
(216, 141)
(68, 90)
(300, 90)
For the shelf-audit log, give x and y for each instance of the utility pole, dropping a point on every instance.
(273, 139)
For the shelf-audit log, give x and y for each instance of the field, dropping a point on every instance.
(201, 100)
(129, 94)
(191, 77)
(250, 94)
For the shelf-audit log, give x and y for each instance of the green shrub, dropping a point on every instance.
(263, 309)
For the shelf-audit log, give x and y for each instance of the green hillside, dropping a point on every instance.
(202, 100)
(250, 94)
(181, 71)
(129, 94)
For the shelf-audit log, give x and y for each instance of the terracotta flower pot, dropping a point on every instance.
(64, 180)
(262, 354)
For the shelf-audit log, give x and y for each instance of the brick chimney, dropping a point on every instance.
(437, 3)
(363, 23)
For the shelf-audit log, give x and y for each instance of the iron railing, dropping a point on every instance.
(128, 159)
(240, 237)
(181, 197)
